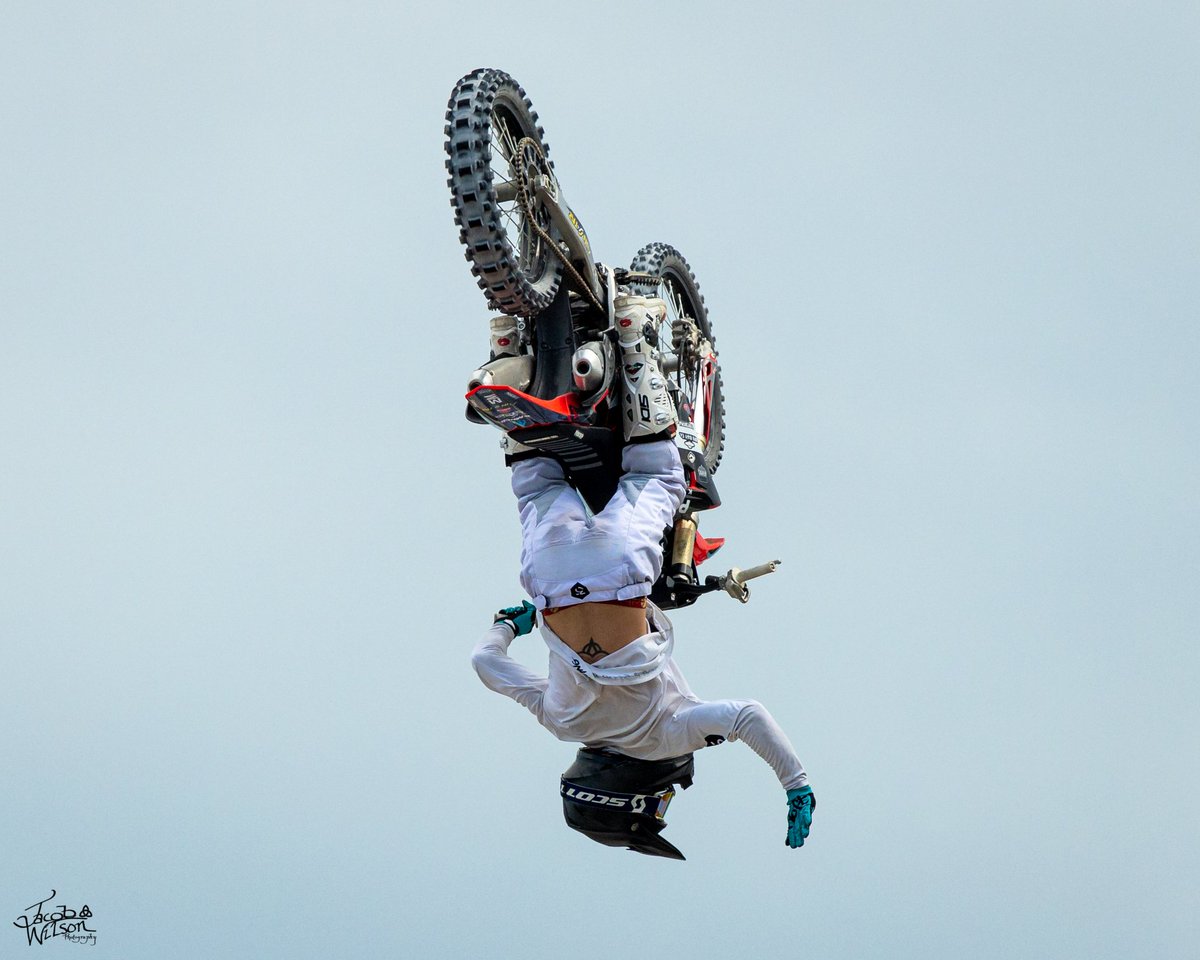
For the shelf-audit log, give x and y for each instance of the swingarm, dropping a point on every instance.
(534, 186)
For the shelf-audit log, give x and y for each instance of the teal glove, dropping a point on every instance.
(801, 804)
(521, 618)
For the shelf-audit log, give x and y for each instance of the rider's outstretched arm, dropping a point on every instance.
(749, 721)
(502, 673)
(709, 722)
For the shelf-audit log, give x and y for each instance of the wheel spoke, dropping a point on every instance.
(507, 145)
(519, 230)
(687, 374)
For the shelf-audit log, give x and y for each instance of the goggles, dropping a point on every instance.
(648, 804)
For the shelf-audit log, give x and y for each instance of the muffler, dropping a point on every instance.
(587, 368)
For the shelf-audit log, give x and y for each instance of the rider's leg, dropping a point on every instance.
(557, 555)
(654, 487)
(505, 337)
(569, 555)
(539, 482)
(507, 367)
(647, 412)
(655, 465)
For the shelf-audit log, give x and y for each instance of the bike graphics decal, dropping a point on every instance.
(579, 230)
(509, 409)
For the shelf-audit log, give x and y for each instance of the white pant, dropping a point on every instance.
(570, 555)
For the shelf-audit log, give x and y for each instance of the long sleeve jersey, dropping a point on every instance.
(634, 701)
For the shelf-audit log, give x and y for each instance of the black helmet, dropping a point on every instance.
(620, 801)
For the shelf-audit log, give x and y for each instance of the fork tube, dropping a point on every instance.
(682, 548)
(703, 395)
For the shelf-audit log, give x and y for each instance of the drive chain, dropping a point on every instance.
(526, 202)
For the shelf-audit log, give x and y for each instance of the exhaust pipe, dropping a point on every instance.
(587, 368)
(514, 372)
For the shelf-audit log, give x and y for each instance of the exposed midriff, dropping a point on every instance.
(594, 630)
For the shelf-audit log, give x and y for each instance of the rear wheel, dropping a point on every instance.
(686, 344)
(494, 145)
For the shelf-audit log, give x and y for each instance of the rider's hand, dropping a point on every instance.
(801, 804)
(521, 618)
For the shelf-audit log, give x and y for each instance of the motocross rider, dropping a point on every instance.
(613, 684)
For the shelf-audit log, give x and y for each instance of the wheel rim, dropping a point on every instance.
(526, 245)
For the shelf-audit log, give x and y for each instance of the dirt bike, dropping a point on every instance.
(559, 394)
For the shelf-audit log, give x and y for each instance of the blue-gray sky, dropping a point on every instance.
(950, 254)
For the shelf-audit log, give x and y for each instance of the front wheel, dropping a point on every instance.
(686, 344)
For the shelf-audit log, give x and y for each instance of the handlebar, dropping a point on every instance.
(734, 582)
(673, 591)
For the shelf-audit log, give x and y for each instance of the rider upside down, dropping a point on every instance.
(613, 685)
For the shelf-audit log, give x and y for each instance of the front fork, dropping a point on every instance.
(683, 549)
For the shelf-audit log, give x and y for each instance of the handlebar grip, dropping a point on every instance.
(741, 576)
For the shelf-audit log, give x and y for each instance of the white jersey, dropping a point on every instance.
(634, 701)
